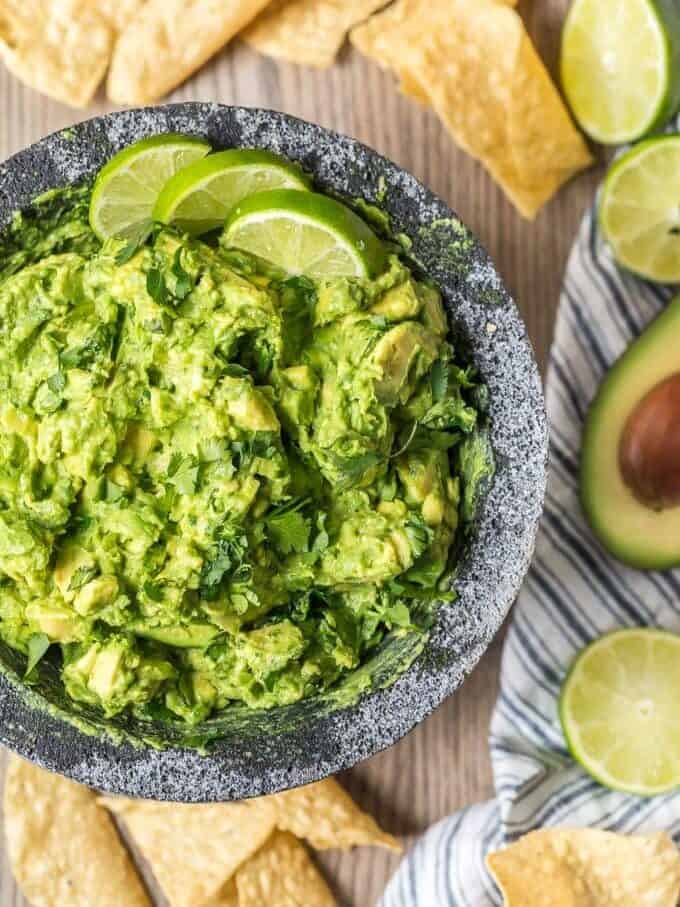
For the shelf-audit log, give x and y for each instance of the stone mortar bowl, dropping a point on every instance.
(263, 752)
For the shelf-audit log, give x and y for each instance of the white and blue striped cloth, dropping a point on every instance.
(573, 593)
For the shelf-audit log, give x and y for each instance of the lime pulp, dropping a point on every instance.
(305, 233)
(640, 209)
(127, 187)
(619, 710)
(620, 66)
(199, 197)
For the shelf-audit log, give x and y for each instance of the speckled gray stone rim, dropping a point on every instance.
(263, 752)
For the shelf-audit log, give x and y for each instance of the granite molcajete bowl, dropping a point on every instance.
(261, 752)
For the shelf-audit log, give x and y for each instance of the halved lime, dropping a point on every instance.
(619, 710)
(305, 233)
(640, 209)
(127, 187)
(199, 197)
(619, 66)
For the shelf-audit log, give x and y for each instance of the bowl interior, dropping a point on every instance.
(255, 752)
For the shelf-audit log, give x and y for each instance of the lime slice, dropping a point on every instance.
(126, 188)
(640, 209)
(305, 233)
(619, 711)
(619, 66)
(199, 197)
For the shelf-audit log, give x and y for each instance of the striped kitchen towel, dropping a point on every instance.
(573, 593)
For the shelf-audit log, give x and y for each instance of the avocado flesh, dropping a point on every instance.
(633, 532)
(220, 485)
(193, 636)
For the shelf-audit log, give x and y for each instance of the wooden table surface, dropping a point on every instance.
(443, 764)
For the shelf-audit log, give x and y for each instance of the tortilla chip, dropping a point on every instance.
(168, 40)
(282, 874)
(307, 32)
(64, 850)
(58, 47)
(485, 80)
(379, 37)
(228, 897)
(194, 850)
(119, 12)
(584, 867)
(326, 816)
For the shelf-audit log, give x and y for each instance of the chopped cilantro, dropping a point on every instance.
(226, 556)
(290, 532)
(38, 644)
(439, 379)
(156, 286)
(81, 577)
(183, 473)
(153, 591)
(134, 244)
(57, 382)
(184, 283)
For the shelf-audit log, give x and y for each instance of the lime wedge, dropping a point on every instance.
(619, 66)
(199, 197)
(126, 188)
(305, 233)
(619, 711)
(640, 209)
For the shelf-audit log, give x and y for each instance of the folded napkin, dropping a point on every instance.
(573, 593)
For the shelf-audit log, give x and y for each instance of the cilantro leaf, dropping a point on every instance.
(476, 467)
(156, 286)
(298, 300)
(153, 591)
(439, 379)
(134, 244)
(451, 412)
(81, 577)
(57, 382)
(184, 283)
(398, 615)
(176, 461)
(290, 531)
(38, 644)
(227, 556)
(244, 452)
(183, 473)
(80, 522)
(355, 467)
(430, 439)
(234, 370)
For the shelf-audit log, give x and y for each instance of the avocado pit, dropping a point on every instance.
(649, 449)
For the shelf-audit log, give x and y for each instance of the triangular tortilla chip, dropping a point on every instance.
(281, 874)
(476, 66)
(58, 47)
(307, 32)
(63, 848)
(326, 816)
(168, 40)
(586, 867)
(193, 850)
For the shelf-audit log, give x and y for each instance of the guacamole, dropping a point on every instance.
(218, 483)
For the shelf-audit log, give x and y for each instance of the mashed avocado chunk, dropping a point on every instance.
(218, 483)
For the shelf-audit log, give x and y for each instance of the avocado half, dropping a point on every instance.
(632, 531)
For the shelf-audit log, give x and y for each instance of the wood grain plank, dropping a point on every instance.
(443, 764)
